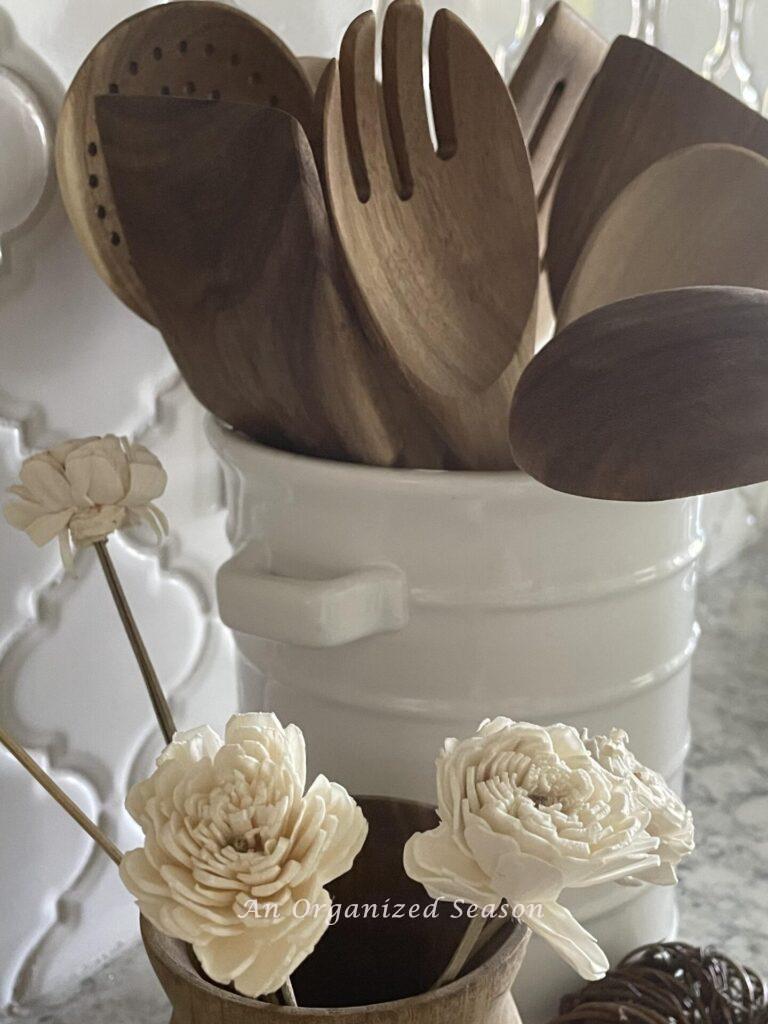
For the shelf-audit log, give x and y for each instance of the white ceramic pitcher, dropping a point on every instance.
(384, 610)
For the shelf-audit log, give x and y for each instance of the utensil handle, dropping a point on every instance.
(312, 612)
(549, 85)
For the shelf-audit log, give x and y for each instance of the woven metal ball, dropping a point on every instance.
(670, 983)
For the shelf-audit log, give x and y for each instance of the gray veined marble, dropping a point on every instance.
(724, 887)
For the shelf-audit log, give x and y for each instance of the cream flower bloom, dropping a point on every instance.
(82, 490)
(525, 813)
(670, 821)
(236, 855)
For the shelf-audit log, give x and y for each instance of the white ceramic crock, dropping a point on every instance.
(384, 610)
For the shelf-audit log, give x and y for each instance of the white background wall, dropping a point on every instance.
(73, 361)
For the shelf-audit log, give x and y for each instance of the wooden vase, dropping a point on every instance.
(365, 970)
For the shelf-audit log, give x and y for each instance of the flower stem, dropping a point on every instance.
(463, 951)
(60, 796)
(156, 695)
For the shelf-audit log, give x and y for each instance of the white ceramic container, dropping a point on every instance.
(384, 610)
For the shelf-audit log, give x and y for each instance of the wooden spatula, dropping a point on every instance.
(441, 247)
(549, 84)
(641, 106)
(696, 217)
(188, 48)
(658, 396)
(224, 217)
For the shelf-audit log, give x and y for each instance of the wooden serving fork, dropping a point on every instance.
(440, 242)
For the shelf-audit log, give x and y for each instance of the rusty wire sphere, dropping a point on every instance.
(670, 983)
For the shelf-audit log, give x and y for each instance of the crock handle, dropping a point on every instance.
(312, 613)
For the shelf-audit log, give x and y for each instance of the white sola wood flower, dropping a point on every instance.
(82, 490)
(670, 821)
(236, 855)
(527, 812)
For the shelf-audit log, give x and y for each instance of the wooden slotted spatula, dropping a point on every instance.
(440, 247)
(641, 106)
(696, 217)
(193, 48)
(653, 397)
(549, 84)
(224, 217)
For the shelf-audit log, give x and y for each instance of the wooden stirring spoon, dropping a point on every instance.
(224, 217)
(441, 247)
(658, 396)
(186, 48)
(696, 217)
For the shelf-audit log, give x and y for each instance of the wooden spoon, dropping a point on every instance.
(657, 396)
(441, 247)
(696, 217)
(641, 106)
(190, 48)
(224, 217)
(549, 84)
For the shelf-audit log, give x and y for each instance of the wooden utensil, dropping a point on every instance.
(224, 217)
(696, 217)
(658, 396)
(441, 247)
(187, 48)
(549, 84)
(641, 106)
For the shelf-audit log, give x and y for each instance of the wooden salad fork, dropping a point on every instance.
(440, 243)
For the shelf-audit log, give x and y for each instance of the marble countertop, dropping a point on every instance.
(724, 888)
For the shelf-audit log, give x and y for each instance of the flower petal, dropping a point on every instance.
(44, 529)
(445, 871)
(346, 829)
(21, 514)
(191, 746)
(47, 483)
(147, 482)
(570, 941)
(512, 873)
(260, 961)
(94, 478)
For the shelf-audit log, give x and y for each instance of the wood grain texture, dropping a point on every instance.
(641, 106)
(657, 396)
(378, 969)
(224, 216)
(441, 248)
(187, 48)
(549, 84)
(696, 217)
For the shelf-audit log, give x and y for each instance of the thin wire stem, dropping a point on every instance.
(156, 695)
(60, 796)
(462, 952)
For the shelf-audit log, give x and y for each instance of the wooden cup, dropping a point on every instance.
(366, 970)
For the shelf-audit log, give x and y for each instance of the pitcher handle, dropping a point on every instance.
(312, 613)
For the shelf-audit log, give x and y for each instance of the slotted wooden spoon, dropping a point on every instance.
(641, 106)
(696, 217)
(441, 248)
(549, 84)
(186, 48)
(224, 216)
(653, 397)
